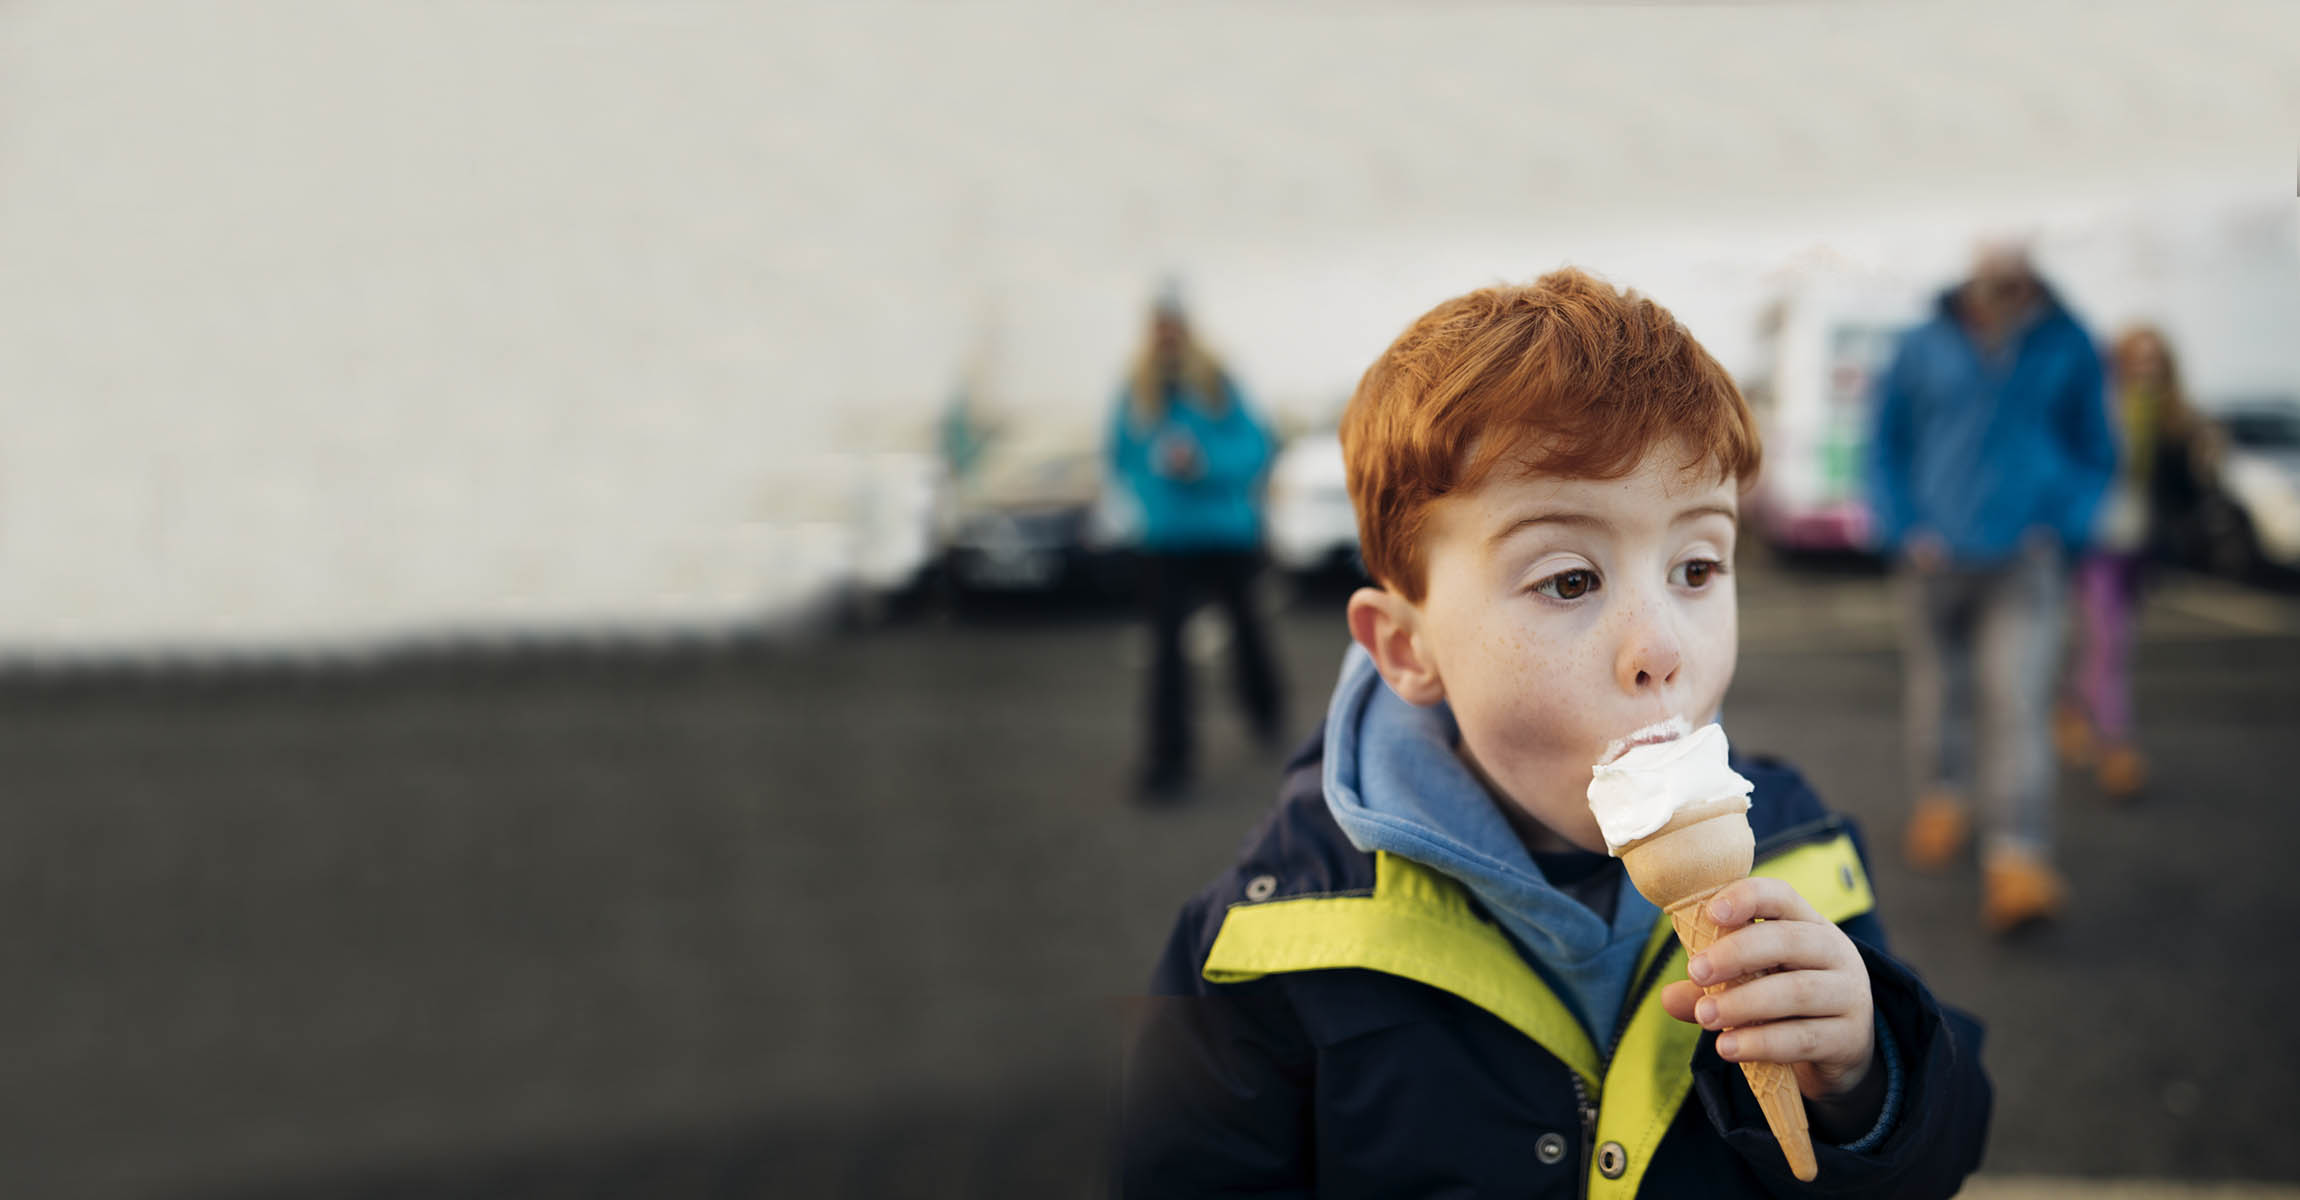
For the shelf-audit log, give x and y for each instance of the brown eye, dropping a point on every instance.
(1698, 573)
(1568, 585)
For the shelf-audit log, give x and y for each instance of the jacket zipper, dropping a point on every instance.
(1583, 1162)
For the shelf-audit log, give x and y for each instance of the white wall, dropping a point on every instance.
(331, 322)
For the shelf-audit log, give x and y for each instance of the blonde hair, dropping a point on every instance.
(1194, 367)
(2176, 417)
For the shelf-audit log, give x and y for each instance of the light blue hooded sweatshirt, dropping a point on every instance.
(1394, 782)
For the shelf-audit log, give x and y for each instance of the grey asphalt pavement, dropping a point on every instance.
(861, 916)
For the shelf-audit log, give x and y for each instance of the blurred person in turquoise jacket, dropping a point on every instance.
(1990, 454)
(1189, 452)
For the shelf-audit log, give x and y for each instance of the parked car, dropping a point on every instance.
(2253, 518)
(1312, 528)
(895, 498)
(1035, 516)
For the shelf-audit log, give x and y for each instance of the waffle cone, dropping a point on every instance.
(1774, 1084)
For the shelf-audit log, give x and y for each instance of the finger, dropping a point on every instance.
(1783, 996)
(1759, 897)
(1771, 946)
(1812, 1040)
(1678, 999)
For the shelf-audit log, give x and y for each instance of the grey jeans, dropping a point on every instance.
(1980, 649)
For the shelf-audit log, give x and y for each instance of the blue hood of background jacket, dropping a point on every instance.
(1394, 782)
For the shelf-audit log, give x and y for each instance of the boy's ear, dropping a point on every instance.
(1390, 630)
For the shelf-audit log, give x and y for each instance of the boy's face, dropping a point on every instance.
(1561, 614)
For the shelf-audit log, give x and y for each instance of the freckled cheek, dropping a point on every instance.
(1719, 648)
(1527, 698)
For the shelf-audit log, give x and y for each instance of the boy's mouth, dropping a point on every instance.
(1652, 735)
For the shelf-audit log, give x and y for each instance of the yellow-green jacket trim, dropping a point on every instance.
(1419, 924)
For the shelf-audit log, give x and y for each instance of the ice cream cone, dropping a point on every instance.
(1679, 867)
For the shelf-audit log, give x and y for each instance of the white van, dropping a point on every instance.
(1827, 339)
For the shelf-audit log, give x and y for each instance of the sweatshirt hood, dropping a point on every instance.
(1395, 782)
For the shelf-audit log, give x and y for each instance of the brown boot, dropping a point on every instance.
(2123, 772)
(2072, 737)
(2018, 889)
(1937, 832)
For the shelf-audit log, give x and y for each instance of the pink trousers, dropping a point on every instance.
(2108, 605)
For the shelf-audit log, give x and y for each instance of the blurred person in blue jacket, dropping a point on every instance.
(1990, 454)
(1187, 449)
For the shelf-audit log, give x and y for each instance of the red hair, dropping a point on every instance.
(1569, 376)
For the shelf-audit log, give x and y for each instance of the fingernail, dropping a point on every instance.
(1727, 1044)
(1706, 1011)
(1698, 968)
(1721, 909)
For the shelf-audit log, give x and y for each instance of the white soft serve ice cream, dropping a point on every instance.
(1663, 768)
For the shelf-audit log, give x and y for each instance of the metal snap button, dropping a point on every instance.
(1550, 1149)
(1260, 887)
(1612, 1160)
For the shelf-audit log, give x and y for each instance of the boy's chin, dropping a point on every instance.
(1592, 843)
(1547, 837)
(1572, 827)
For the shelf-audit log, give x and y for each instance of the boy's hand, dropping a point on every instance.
(1803, 995)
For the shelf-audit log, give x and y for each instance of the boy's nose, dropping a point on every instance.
(1650, 653)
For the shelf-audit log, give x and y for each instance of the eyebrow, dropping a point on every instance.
(1593, 521)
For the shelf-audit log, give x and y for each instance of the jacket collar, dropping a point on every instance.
(1396, 784)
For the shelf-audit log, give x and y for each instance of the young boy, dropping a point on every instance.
(1424, 976)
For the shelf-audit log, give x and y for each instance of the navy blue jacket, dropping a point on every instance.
(1326, 1022)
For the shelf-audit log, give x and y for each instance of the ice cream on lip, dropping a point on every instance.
(1648, 776)
(1659, 731)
